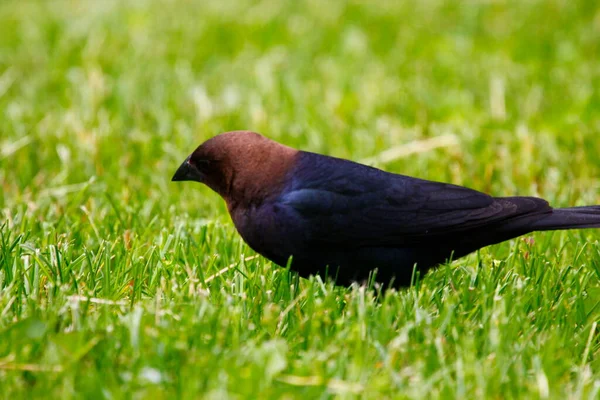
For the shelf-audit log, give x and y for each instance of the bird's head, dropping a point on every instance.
(238, 165)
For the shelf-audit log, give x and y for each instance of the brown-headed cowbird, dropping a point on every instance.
(344, 219)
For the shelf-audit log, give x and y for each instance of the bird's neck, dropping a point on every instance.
(263, 178)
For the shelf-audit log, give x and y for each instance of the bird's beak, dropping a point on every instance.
(187, 172)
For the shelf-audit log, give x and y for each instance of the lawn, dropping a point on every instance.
(117, 283)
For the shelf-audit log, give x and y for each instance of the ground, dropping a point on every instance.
(116, 283)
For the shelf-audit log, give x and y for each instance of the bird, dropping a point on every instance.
(350, 222)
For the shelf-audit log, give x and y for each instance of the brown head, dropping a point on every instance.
(242, 166)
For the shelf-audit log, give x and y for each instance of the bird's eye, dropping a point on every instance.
(203, 165)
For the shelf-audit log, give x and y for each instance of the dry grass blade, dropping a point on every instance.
(9, 149)
(415, 147)
(80, 299)
(31, 367)
(227, 268)
(334, 385)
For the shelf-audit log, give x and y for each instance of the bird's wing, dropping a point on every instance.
(355, 204)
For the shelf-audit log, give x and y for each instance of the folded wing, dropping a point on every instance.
(346, 202)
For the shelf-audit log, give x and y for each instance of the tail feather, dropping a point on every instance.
(569, 218)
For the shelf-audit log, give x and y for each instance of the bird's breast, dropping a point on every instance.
(252, 223)
(266, 231)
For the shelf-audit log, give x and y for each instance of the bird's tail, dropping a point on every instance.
(569, 218)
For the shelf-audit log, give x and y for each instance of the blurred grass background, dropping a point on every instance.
(116, 283)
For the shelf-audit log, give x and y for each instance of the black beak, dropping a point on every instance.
(187, 172)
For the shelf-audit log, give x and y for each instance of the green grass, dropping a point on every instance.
(116, 283)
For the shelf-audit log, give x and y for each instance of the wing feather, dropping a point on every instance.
(364, 206)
